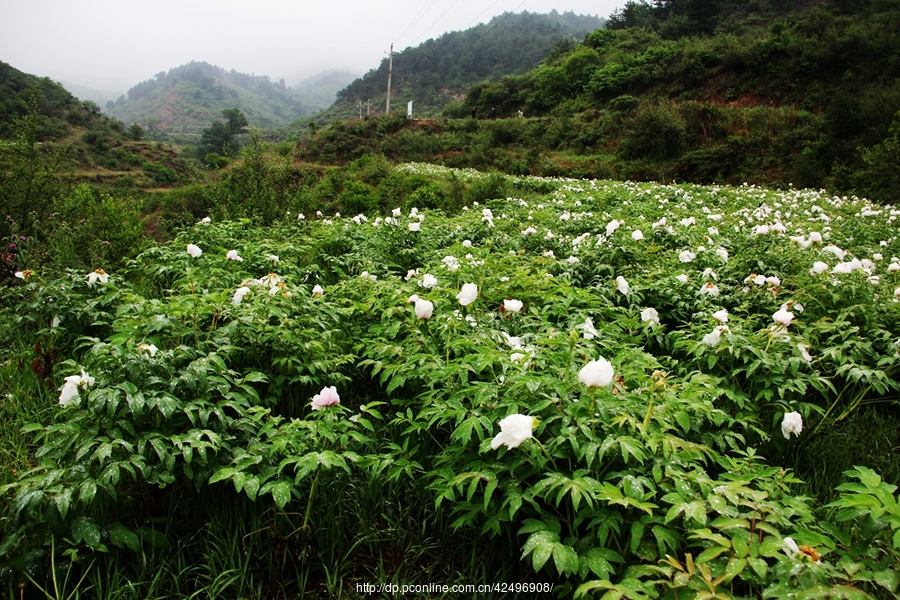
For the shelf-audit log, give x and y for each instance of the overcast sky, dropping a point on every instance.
(114, 44)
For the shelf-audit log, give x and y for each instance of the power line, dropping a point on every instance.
(482, 12)
(417, 18)
(506, 16)
(438, 19)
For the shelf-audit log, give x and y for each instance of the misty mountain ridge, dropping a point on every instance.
(180, 103)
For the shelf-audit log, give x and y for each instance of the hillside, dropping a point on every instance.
(180, 103)
(774, 95)
(440, 70)
(46, 125)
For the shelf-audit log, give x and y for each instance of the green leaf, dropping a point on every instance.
(87, 491)
(123, 537)
(710, 553)
(684, 420)
(84, 529)
(281, 493)
(540, 546)
(734, 568)
(888, 579)
(565, 559)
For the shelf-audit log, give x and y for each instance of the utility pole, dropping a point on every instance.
(387, 106)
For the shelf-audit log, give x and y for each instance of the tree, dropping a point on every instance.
(219, 137)
(136, 132)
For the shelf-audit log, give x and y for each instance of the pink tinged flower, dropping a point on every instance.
(597, 373)
(412, 299)
(239, 295)
(98, 275)
(815, 236)
(637, 235)
(428, 281)
(651, 316)
(572, 260)
(622, 285)
(317, 290)
(424, 308)
(233, 255)
(514, 430)
(194, 251)
(792, 424)
(783, 317)
(721, 316)
(686, 256)
(468, 295)
(326, 397)
(511, 305)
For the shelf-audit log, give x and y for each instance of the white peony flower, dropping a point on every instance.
(721, 316)
(424, 308)
(597, 373)
(512, 305)
(468, 295)
(650, 315)
(514, 430)
(792, 423)
(239, 295)
(233, 255)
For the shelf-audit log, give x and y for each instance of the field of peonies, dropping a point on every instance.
(608, 378)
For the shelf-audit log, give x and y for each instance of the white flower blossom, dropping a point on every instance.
(514, 430)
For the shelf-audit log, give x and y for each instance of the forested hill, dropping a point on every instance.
(186, 99)
(439, 70)
(710, 91)
(46, 130)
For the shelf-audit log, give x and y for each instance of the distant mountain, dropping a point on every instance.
(83, 92)
(441, 70)
(187, 99)
(320, 91)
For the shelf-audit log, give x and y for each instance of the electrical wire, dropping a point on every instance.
(506, 16)
(417, 17)
(435, 21)
(482, 12)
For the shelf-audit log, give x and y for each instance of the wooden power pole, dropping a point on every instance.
(387, 105)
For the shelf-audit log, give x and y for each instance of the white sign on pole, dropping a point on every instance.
(409, 110)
